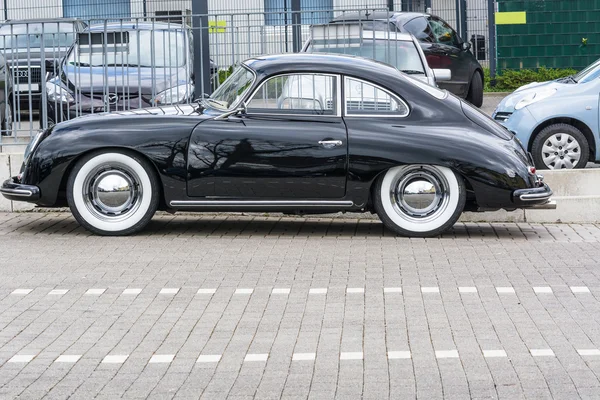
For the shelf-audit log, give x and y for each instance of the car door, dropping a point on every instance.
(447, 50)
(291, 143)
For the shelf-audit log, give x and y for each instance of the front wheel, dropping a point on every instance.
(560, 146)
(419, 200)
(475, 94)
(113, 193)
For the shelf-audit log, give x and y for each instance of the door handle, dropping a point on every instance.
(328, 144)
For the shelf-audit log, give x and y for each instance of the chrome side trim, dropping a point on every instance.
(261, 203)
(17, 192)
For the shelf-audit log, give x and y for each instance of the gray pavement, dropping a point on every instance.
(268, 307)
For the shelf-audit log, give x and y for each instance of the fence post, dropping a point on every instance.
(427, 5)
(201, 47)
(461, 19)
(296, 26)
(492, 40)
(5, 10)
(390, 5)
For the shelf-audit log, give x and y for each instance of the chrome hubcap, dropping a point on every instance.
(420, 193)
(561, 151)
(112, 193)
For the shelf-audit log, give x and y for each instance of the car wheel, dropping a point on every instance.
(475, 95)
(560, 146)
(113, 193)
(419, 200)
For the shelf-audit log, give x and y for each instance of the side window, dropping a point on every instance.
(443, 33)
(363, 98)
(421, 29)
(296, 94)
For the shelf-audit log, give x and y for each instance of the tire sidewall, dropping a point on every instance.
(538, 143)
(137, 220)
(475, 93)
(389, 215)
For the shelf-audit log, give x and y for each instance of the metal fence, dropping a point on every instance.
(72, 67)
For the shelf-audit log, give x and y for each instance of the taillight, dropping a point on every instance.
(532, 170)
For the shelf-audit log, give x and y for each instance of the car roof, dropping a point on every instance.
(377, 15)
(320, 62)
(38, 21)
(365, 33)
(133, 25)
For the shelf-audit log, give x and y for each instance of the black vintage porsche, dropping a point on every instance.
(299, 133)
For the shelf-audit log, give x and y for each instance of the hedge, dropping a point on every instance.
(510, 80)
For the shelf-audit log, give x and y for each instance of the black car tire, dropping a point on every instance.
(551, 138)
(396, 210)
(475, 95)
(110, 212)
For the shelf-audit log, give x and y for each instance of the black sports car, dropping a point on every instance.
(297, 133)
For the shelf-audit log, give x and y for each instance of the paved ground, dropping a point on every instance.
(262, 307)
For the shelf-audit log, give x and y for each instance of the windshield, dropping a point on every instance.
(589, 73)
(401, 54)
(29, 35)
(159, 48)
(231, 91)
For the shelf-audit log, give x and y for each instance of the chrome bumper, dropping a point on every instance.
(12, 189)
(538, 197)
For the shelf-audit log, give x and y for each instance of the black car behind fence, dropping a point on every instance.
(64, 68)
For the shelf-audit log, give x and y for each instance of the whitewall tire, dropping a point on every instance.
(113, 193)
(419, 200)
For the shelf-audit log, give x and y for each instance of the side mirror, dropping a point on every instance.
(442, 74)
(466, 46)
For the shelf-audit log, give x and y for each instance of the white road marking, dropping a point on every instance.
(68, 358)
(505, 289)
(209, 358)
(96, 292)
(542, 352)
(355, 290)
(116, 359)
(22, 291)
(303, 356)
(317, 291)
(580, 289)
(430, 289)
(132, 291)
(169, 291)
(281, 291)
(467, 289)
(161, 358)
(542, 289)
(256, 357)
(494, 353)
(58, 292)
(21, 358)
(393, 355)
(356, 355)
(392, 290)
(589, 352)
(244, 291)
(446, 354)
(206, 291)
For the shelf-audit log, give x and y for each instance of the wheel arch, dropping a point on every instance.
(582, 126)
(62, 198)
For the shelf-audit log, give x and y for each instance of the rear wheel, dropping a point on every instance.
(113, 193)
(560, 146)
(419, 200)
(475, 95)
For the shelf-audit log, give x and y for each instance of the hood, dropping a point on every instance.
(507, 105)
(130, 80)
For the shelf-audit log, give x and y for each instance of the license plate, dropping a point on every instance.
(23, 87)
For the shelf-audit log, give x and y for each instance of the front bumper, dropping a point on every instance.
(12, 189)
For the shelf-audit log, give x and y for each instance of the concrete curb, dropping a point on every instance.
(577, 193)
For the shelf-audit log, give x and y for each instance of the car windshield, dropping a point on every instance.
(400, 53)
(231, 91)
(144, 48)
(37, 35)
(589, 73)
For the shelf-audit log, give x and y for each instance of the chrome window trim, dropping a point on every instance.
(338, 108)
(233, 106)
(379, 115)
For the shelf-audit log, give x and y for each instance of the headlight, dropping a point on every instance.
(176, 94)
(534, 97)
(57, 93)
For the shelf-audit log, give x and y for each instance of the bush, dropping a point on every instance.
(510, 80)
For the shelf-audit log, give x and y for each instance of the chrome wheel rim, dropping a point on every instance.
(561, 151)
(420, 194)
(112, 193)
